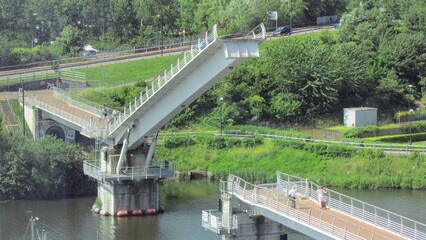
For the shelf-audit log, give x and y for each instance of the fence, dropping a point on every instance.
(363, 211)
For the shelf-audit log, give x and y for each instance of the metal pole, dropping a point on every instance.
(23, 108)
(221, 115)
(161, 26)
(291, 18)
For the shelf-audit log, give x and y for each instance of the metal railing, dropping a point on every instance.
(382, 146)
(78, 102)
(73, 75)
(363, 211)
(184, 59)
(212, 220)
(89, 127)
(92, 169)
(161, 80)
(268, 198)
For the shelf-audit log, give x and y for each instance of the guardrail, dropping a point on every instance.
(182, 61)
(385, 147)
(88, 127)
(363, 211)
(161, 80)
(212, 220)
(73, 75)
(92, 169)
(271, 200)
(78, 102)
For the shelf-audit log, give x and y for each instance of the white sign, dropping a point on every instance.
(273, 15)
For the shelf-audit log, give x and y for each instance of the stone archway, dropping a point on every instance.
(56, 131)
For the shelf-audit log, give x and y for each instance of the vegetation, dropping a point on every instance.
(44, 168)
(327, 164)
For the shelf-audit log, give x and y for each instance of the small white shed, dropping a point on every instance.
(361, 116)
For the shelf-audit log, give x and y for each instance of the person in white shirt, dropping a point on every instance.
(321, 197)
(292, 197)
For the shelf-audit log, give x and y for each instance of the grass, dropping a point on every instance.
(366, 169)
(127, 72)
(17, 111)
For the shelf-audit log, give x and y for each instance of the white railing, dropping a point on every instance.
(371, 214)
(89, 127)
(270, 199)
(382, 146)
(92, 169)
(258, 33)
(162, 79)
(78, 102)
(212, 220)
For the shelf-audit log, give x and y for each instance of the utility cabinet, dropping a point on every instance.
(361, 116)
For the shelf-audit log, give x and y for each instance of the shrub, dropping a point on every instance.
(175, 142)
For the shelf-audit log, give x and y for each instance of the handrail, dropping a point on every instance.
(258, 33)
(358, 209)
(162, 79)
(268, 199)
(92, 168)
(384, 147)
(88, 126)
(78, 102)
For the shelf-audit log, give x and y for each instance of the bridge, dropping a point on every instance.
(243, 203)
(128, 176)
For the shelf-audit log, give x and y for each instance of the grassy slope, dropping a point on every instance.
(261, 163)
(128, 72)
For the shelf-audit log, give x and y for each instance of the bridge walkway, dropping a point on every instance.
(87, 122)
(344, 218)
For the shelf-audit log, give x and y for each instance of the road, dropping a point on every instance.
(116, 57)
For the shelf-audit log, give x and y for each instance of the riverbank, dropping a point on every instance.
(329, 165)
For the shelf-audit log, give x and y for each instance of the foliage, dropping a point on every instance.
(45, 168)
(400, 138)
(368, 131)
(330, 165)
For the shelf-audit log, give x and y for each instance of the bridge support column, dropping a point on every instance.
(128, 195)
(252, 226)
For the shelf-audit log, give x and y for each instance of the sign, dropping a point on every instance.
(273, 15)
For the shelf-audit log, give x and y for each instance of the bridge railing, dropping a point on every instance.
(92, 168)
(277, 202)
(161, 80)
(369, 213)
(33, 100)
(78, 102)
(184, 59)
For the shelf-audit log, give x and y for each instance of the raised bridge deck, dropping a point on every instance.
(345, 217)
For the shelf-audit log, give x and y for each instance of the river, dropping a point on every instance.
(70, 218)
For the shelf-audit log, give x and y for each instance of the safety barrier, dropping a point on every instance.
(270, 199)
(363, 211)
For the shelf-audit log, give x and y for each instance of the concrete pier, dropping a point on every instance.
(129, 195)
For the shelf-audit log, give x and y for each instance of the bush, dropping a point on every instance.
(175, 142)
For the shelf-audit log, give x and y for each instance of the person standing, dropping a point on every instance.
(292, 197)
(321, 197)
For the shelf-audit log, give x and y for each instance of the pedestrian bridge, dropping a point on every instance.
(344, 218)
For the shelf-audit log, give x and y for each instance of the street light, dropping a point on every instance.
(291, 17)
(161, 26)
(411, 126)
(221, 115)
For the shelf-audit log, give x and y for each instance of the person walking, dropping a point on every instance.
(321, 197)
(292, 197)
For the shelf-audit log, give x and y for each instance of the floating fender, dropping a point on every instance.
(137, 212)
(151, 211)
(122, 213)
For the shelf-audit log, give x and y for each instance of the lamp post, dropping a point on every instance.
(411, 125)
(291, 16)
(23, 108)
(221, 115)
(161, 26)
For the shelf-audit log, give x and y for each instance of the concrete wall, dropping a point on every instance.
(43, 84)
(129, 195)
